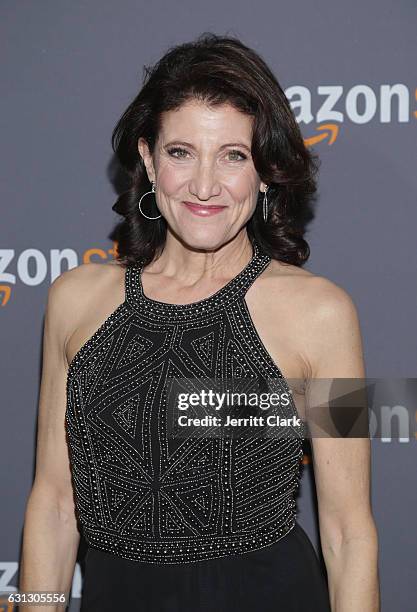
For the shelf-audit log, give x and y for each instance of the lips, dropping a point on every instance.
(203, 205)
(203, 210)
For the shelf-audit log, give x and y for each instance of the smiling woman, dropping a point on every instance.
(220, 177)
(222, 133)
(207, 287)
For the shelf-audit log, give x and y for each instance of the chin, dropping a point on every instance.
(204, 242)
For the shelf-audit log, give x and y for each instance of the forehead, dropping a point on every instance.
(196, 120)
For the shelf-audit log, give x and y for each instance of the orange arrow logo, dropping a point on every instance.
(330, 133)
(5, 291)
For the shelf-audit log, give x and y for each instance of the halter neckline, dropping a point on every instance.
(233, 289)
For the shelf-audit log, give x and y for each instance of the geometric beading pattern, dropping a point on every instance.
(143, 495)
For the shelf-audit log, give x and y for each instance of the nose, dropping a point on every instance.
(204, 183)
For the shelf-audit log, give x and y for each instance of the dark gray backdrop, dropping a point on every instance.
(69, 69)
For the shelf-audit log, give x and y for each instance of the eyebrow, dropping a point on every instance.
(229, 144)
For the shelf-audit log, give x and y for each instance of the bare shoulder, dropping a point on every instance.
(320, 298)
(316, 316)
(76, 290)
(73, 284)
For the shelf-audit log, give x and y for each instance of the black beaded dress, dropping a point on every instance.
(184, 519)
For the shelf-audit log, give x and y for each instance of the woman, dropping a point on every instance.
(207, 285)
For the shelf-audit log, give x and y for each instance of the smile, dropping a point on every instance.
(203, 210)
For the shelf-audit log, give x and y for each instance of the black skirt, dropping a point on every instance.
(283, 577)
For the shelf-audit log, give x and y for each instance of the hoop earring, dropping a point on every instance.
(265, 205)
(145, 194)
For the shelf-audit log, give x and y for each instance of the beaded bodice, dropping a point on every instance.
(144, 494)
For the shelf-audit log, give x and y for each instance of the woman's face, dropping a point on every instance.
(202, 156)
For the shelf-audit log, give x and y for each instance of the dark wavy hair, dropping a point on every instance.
(217, 70)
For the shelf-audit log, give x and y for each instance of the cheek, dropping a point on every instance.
(243, 186)
(170, 179)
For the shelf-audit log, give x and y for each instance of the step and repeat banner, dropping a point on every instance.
(69, 69)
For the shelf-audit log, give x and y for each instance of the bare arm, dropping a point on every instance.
(341, 464)
(50, 535)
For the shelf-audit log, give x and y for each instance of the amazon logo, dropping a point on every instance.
(33, 267)
(332, 105)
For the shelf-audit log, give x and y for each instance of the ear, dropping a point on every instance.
(144, 152)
